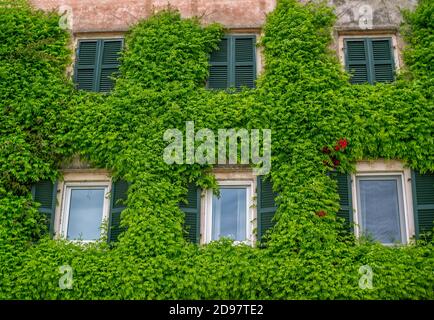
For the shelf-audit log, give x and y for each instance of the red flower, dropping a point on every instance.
(326, 150)
(343, 143)
(321, 213)
(336, 162)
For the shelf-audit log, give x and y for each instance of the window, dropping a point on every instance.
(85, 209)
(229, 215)
(234, 214)
(97, 61)
(377, 201)
(76, 207)
(381, 208)
(234, 63)
(369, 60)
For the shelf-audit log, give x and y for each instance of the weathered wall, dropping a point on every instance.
(384, 14)
(118, 15)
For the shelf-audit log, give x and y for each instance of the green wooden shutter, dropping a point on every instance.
(45, 193)
(423, 201)
(369, 60)
(117, 205)
(97, 61)
(109, 63)
(356, 60)
(382, 65)
(266, 207)
(244, 61)
(345, 195)
(234, 63)
(219, 66)
(192, 213)
(86, 65)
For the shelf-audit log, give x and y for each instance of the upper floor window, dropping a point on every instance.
(369, 60)
(234, 63)
(96, 63)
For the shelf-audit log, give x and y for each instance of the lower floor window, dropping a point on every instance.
(228, 215)
(85, 209)
(380, 205)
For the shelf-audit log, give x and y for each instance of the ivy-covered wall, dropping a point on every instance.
(303, 96)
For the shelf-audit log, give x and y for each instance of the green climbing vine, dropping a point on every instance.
(303, 96)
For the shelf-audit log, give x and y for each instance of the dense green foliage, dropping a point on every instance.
(303, 96)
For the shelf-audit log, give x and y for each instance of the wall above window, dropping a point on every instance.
(114, 15)
(379, 13)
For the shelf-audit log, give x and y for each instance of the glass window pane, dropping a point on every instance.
(380, 209)
(85, 214)
(229, 214)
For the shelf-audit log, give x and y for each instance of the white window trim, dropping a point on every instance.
(403, 215)
(386, 168)
(250, 219)
(395, 50)
(66, 204)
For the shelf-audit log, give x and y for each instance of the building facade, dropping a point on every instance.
(383, 198)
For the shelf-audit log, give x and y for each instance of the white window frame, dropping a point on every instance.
(384, 168)
(249, 185)
(67, 188)
(402, 214)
